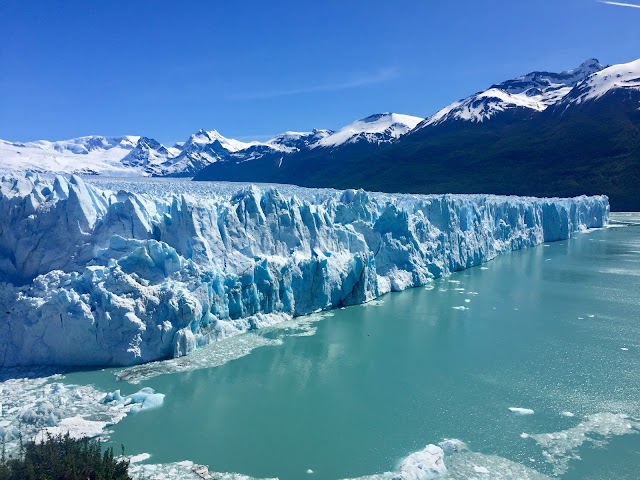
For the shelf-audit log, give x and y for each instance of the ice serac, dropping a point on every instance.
(136, 272)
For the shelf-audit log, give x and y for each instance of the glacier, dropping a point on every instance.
(122, 272)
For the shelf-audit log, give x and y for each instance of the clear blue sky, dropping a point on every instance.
(251, 69)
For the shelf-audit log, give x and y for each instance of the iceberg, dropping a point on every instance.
(123, 273)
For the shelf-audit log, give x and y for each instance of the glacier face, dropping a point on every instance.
(122, 273)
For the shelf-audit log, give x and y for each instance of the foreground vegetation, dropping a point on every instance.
(64, 458)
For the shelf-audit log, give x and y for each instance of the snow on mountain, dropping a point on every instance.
(144, 156)
(201, 149)
(379, 128)
(296, 141)
(119, 156)
(149, 154)
(535, 91)
(86, 155)
(84, 145)
(132, 272)
(212, 137)
(625, 76)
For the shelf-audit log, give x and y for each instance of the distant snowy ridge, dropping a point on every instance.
(144, 156)
(535, 91)
(383, 127)
(83, 155)
(110, 277)
(119, 156)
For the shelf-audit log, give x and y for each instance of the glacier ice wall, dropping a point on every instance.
(108, 276)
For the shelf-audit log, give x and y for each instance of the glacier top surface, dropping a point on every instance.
(163, 187)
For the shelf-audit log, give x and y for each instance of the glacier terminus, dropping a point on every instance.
(111, 272)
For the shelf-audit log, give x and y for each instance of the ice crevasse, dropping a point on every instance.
(103, 276)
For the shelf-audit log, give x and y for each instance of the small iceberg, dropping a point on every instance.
(521, 411)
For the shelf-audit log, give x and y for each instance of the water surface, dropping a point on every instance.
(555, 329)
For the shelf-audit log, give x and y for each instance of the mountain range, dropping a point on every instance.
(540, 134)
(142, 156)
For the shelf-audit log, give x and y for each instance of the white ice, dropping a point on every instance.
(521, 411)
(140, 271)
(559, 448)
(35, 407)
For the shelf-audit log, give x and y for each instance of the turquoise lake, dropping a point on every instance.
(554, 329)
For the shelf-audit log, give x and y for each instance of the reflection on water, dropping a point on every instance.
(553, 329)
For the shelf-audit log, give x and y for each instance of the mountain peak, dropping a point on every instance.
(623, 76)
(584, 70)
(534, 91)
(203, 137)
(377, 128)
(375, 117)
(590, 64)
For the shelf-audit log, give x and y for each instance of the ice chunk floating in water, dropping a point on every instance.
(452, 460)
(134, 273)
(521, 411)
(427, 463)
(144, 399)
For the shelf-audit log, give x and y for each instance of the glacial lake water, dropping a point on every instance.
(554, 329)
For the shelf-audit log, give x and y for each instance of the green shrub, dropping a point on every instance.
(64, 458)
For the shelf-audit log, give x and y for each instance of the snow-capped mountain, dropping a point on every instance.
(295, 141)
(143, 156)
(532, 92)
(201, 149)
(622, 77)
(541, 134)
(522, 98)
(379, 128)
(88, 155)
(286, 143)
(147, 153)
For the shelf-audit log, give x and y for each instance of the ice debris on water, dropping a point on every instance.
(452, 445)
(35, 407)
(449, 459)
(559, 448)
(452, 459)
(144, 399)
(126, 273)
(424, 464)
(139, 458)
(185, 470)
(521, 411)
